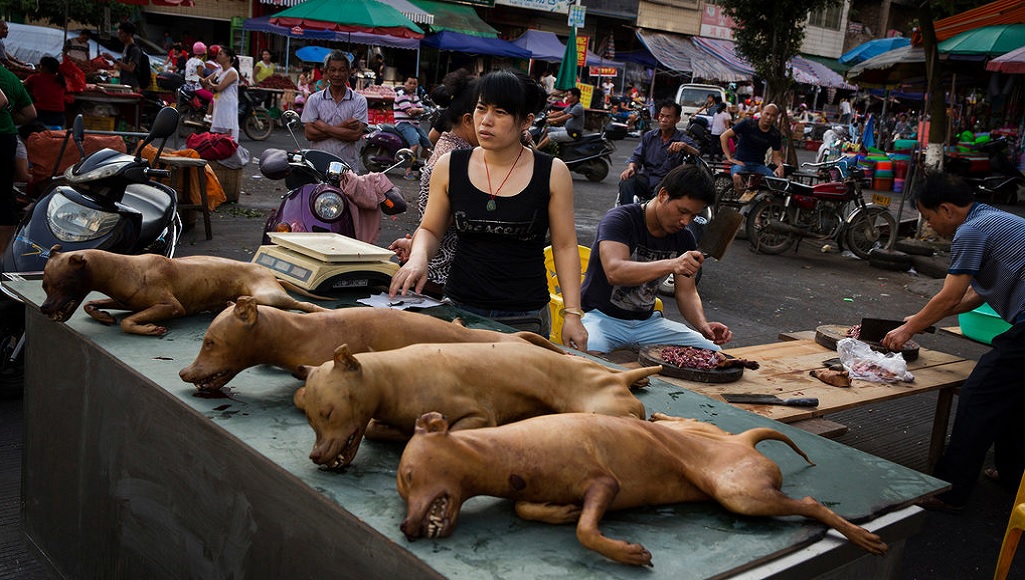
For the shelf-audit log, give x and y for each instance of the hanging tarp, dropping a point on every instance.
(677, 53)
(454, 41)
(725, 51)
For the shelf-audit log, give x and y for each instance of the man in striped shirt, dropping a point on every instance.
(987, 264)
(407, 109)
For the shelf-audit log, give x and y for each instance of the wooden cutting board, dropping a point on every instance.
(651, 356)
(829, 334)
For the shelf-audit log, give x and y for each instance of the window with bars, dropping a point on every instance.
(828, 17)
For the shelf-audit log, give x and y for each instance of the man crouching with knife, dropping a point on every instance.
(987, 264)
(636, 246)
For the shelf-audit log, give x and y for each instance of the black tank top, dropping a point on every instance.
(499, 258)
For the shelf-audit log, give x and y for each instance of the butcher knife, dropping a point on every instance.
(770, 400)
(720, 233)
(874, 329)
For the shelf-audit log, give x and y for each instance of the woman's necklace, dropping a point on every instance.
(493, 193)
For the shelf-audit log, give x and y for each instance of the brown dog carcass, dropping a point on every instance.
(474, 385)
(246, 334)
(156, 288)
(574, 467)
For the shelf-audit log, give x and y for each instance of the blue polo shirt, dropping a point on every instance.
(990, 246)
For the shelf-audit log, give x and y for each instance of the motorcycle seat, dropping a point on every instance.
(793, 187)
(154, 204)
(589, 137)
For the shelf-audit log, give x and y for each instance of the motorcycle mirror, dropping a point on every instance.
(164, 125)
(78, 134)
(404, 156)
(292, 122)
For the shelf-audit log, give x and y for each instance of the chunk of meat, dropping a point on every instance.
(832, 377)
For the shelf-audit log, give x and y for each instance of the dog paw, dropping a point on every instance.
(635, 555)
(99, 315)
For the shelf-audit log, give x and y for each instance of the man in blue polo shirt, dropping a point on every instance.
(987, 264)
(754, 138)
(659, 151)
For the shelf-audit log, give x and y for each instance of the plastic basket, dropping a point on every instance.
(92, 123)
(982, 324)
(230, 180)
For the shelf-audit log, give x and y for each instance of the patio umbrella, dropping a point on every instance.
(349, 16)
(899, 66)
(315, 53)
(567, 77)
(873, 48)
(986, 41)
(1012, 62)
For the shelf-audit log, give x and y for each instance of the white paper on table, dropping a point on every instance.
(410, 300)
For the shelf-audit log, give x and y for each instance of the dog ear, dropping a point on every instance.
(431, 422)
(77, 260)
(299, 398)
(344, 359)
(55, 249)
(245, 310)
(458, 321)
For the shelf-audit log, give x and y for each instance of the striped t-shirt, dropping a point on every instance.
(403, 103)
(990, 246)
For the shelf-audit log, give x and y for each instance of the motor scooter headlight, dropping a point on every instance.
(328, 206)
(71, 222)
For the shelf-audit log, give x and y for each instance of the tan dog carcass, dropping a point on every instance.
(246, 334)
(573, 468)
(156, 288)
(474, 385)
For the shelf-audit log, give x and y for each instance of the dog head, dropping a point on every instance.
(428, 481)
(228, 346)
(66, 282)
(338, 405)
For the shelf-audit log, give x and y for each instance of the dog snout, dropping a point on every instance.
(410, 529)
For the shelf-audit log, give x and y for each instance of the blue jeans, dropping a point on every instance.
(751, 167)
(413, 134)
(606, 333)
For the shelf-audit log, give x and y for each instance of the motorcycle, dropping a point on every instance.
(253, 118)
(107, 201)
(788, 211)
(382, 142)
(1002, 185)
(590, 155)
(325, 194)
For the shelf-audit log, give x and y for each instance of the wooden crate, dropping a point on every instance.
(230, 179)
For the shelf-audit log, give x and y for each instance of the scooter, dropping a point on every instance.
(254, 120)
(325, 194)
(382, 142)
(107, 201)
(590, 155)
(1002, 185)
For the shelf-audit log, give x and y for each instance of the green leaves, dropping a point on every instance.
(58, 12)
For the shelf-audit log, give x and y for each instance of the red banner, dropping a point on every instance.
(582, 50)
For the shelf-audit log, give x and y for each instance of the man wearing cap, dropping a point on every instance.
(335, 117)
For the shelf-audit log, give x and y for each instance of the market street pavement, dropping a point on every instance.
(758, 296)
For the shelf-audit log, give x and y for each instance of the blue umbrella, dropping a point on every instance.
(317, 53)
(872, 48)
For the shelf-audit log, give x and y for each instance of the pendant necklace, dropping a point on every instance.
(493, 193)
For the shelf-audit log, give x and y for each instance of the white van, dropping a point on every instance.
(692, 97)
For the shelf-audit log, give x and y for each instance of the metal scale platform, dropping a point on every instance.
(322, 262)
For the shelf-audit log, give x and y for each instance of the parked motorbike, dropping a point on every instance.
(382, 142)
(254, 120)
(590, 155)
(106, 201)
(1002, 183)
(321, 186)
(789, 211)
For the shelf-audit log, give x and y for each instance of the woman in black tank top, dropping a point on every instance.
(502, 198)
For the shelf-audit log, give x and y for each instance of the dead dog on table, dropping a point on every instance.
(246, 334)
(574, 467)
(474, 385)
(156, 288)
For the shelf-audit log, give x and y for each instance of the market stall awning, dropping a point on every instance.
(831, 63)
(263, 24)
(412, 11)
(454, 41)
(810, 72)
(349, 16)
(678, 53)
(900, 66)
(986, 41)
(725, 51)
(456, 18)
(547, 47)
(1012, 62)
(999, 12)
(872, 48)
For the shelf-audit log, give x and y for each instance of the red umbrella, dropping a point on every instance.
(1013, 62)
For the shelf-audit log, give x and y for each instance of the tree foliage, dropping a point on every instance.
(58, 12)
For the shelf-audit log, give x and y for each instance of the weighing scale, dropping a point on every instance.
(320, 261)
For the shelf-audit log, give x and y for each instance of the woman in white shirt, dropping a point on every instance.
(225, 88)
(721, 121)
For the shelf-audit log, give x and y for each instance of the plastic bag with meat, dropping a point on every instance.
(866, 364)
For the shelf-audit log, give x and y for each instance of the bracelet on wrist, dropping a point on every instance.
(563, 312)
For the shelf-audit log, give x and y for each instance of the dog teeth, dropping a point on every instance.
(436, 518)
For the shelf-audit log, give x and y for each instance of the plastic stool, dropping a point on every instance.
(1015, 525)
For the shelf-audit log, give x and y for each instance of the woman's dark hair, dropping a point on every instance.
(456, 94)
(232, 57)
(52, 66)
(939, 187)
(513, 91)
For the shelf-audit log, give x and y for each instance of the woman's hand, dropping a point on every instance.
(411, 276)
(574, 335)
(401, 248)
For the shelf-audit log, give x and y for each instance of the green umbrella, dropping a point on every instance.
(349, 16)
(985, 41)
(567, 77)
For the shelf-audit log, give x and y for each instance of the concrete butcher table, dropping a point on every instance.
(129, 473)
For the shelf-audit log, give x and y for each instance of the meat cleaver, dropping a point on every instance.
(874, 329)
(770, 400)
(720, 233)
